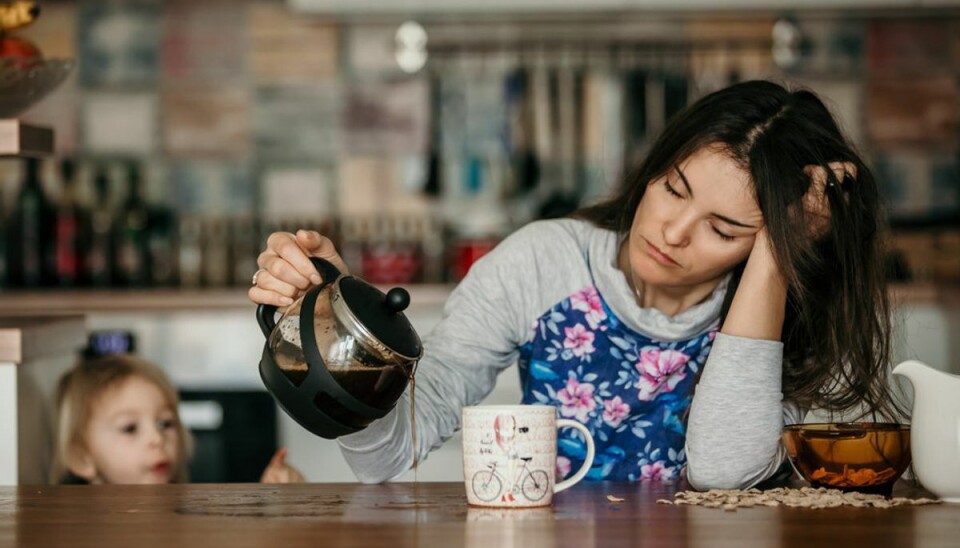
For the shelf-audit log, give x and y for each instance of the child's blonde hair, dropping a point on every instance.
(81, 387)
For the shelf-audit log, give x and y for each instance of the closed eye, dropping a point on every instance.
(672, 190)
(725, 237)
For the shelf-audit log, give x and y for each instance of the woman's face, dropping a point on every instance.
(694, 224)
(132, 436)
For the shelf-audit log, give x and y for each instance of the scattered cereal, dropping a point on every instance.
(805, 497)
(612, 498)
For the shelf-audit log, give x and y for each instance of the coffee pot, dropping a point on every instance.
(341, 355)
(935, 428)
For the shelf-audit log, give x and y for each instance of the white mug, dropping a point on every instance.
(510, 455)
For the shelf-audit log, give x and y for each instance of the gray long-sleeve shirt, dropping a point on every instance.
(737, 413)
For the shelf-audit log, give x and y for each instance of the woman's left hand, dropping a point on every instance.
(815, 203)
(279, 471)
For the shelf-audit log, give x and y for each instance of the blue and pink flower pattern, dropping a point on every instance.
(632, 392)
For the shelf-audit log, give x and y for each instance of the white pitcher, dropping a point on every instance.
(935, 428)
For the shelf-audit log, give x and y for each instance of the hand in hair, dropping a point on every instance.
(279, 471)
(815, 202)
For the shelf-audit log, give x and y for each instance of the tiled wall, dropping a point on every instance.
(242, 107)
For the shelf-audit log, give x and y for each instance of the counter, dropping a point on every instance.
(34, 353)
(436, 515)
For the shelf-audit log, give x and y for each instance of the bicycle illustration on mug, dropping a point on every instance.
(532, 484)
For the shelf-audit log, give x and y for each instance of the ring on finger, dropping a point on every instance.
(253, 280)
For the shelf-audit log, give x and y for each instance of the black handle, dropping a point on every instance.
(266, 312)
(328, 272)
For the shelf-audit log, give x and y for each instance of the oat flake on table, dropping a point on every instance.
(805, 497)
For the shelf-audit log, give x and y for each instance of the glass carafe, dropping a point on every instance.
(341, 356)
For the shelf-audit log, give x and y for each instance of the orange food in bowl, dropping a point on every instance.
(865, 457)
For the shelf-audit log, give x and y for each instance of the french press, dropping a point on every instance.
(341, 355)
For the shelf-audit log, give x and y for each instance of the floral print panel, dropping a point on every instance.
(632, 392)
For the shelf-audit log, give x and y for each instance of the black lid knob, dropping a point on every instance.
(397, 300)
(381, 315)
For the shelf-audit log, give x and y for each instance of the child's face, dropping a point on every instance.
(132, 435)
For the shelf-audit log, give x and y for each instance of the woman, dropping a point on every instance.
(744, 247)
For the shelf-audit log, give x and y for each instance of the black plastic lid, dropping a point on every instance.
(382, 315)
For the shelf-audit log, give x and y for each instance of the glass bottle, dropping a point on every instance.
(30, 232)
(70, 230)
(162, 246)
(245, 245)
(100, 251)
(4, 274)
(130, 233)
(217, 267)
(190, 252)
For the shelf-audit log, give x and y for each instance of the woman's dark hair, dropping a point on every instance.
(837, 328)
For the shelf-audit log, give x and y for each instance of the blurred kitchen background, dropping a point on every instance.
(416, 134)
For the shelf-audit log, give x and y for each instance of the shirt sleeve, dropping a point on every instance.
(737, 415)
(478, 337)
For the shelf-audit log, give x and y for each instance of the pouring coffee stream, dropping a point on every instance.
(341, 356)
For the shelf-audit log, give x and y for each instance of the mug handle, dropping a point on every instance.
(587, 462)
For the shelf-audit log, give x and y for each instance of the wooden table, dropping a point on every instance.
(435, 515)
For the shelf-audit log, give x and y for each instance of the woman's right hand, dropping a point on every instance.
(285, 269)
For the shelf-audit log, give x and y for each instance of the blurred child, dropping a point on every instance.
(118, 423)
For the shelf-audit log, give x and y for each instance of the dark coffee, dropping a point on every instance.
(378, 387)
(289, 358)
(413, 424)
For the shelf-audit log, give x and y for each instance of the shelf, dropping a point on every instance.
(943, 294)
(18, 139)
(54, 302)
